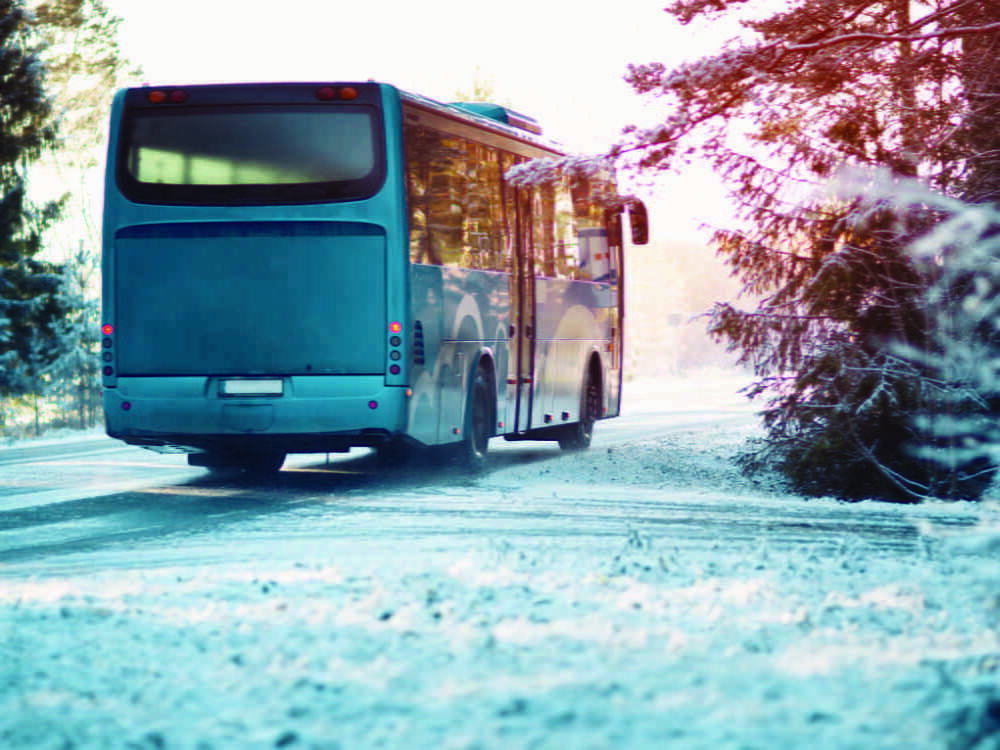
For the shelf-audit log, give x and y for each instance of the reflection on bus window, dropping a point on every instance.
(251, 148)
(458, 215)
(455, 207)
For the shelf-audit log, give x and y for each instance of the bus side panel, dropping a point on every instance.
(477, 317)
(574, 320)
(464, 315)
(426, 299)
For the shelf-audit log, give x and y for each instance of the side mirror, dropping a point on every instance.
(638, 220)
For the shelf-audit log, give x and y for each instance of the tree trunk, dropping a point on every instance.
(981, 78)
(906, 83)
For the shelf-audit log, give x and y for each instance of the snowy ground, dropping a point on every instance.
(700, 611)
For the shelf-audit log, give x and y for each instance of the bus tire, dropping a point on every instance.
(577, 436)
(478, 423)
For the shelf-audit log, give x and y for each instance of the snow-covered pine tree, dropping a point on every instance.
(75, 374)
(29, 300)
(85, 65)
(809, 89)
(79, 45)
(980, 72)
(961, 256)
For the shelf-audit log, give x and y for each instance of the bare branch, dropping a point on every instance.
(863, 36)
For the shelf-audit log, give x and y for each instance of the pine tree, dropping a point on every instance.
(893, 85)
(75, 374)
(85, 65)
(980, 71)
(29, 305)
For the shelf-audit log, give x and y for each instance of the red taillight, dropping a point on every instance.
(159, 96)
(332, 93)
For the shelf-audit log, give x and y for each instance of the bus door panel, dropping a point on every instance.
(523, 314)
(615, 303)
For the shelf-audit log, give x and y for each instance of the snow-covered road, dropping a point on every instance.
(643, 594)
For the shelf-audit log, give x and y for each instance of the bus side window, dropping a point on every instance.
(419, 144)
(544, 210)
(556, 243)
(508, 214)
(482, 236)
(435, 170)
(448, 201)
(567, 234)
(456, 212)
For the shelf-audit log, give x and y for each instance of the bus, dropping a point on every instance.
(314, 267)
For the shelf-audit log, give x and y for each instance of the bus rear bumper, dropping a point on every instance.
(312, 414)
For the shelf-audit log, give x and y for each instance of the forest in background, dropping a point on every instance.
(60, 63)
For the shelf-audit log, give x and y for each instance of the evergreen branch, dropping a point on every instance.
(789, 316)
(866, 36)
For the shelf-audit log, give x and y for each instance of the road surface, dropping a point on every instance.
(641, 594)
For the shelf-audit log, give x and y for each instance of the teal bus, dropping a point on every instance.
(313, 267)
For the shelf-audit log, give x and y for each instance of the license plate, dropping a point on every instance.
(253, 387)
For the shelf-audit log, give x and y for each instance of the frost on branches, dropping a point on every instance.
(597, 172)
(961, 257)
(899, 87)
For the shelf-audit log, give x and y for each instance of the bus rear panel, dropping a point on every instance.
(251, 290)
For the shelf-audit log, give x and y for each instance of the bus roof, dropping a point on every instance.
(493, 117)
(500, 120)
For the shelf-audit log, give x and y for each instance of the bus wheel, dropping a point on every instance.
(478, 424)
(577, 437)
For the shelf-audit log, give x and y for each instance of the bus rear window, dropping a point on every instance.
(262, 154)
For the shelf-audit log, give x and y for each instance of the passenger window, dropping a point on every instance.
(456, 212)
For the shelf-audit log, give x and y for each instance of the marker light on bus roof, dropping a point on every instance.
(332, 93)
(159, 96)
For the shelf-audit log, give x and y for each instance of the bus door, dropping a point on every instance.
(523, 323)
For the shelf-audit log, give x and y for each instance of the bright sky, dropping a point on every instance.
(560, 61)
